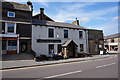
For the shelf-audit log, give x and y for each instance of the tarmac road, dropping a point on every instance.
(100, 68)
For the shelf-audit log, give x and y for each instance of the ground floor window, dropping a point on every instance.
(59, 48)
(12, 44)
(50, 47)
(81, 47)
(9, 44)
(114, 48)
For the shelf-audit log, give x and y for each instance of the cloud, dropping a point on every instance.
(65, 0)
(116, 18)
(78, 5)
(84, 19)
(108, 28)
(70, 13)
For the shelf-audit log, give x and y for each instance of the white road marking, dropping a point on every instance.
(105, 65)
(64, 74)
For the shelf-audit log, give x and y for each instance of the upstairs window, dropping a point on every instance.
(10, 27)
(51, 33)
(80, 34)
(11, 14)
(65, 33)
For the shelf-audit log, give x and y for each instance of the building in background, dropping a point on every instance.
(95, 41)
(16, 27)
(112, 43)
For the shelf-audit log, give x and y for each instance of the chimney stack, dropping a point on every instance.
(41, 10)
(29, 3)
(76, 22)
(41, 13)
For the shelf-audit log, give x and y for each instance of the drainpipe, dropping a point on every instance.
(87, 49)
(18, 44)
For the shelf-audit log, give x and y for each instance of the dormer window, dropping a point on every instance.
(11, 14)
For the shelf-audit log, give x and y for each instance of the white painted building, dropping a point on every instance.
(48, 35)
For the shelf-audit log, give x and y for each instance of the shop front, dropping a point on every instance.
(10, 44)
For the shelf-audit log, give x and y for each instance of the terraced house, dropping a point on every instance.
(16, 27)
(48, 35)
(22, 32)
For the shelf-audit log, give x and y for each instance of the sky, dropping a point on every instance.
(93, 15)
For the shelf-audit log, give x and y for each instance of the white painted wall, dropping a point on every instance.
(41, 32)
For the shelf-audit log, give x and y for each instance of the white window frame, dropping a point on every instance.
(10, 12)
(6, 28)
(48, 32)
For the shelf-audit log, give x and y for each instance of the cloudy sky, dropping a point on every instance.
(93, 15)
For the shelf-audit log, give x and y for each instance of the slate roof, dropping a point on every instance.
(68, 42)
(56, 24)
(112, 36)
(14, 5)
(45, 17)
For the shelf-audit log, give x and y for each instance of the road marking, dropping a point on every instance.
(55, 64)
(105, 65)
(64, 74)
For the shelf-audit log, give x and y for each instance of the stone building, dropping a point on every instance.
(95, 41)
(16, 27)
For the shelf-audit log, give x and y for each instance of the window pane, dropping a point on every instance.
(65, 33)
(51, 33)
(80, 34)
(12, 44)
(11, 14)
(10, 27)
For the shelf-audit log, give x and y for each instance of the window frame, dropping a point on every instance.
(12, 46)
(65, 35)
(9, 13)
(49, 33)
(81, 36)
(6, 28)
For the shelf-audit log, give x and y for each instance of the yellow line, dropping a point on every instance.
(54, 64)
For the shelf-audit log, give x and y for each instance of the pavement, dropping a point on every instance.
(30, 63)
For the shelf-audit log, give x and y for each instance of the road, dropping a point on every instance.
(100, 68)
